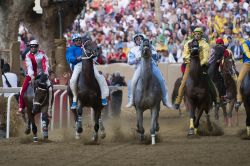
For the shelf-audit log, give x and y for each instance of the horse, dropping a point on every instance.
(177, 85)
(116, 81)
(198, 97)
(230, 84)
(36, 99)
(217, 78)
(245, 92)
(89, 93)
(147, 93)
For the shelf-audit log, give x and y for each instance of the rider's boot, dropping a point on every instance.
(165, 103)
(74, 105)
(104, 102)
(130, 103)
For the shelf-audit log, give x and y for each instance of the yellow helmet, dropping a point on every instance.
(198, 29)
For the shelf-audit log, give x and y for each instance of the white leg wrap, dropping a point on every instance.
(248, 130)
(153, 139)
(102, 83)
(191, 123)
(73, 80)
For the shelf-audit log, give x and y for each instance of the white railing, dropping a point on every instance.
(57, 90)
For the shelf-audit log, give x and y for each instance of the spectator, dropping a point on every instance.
(121, 56)
(9, 79)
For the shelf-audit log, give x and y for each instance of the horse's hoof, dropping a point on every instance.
(141, 137)
(35, 139)
(95, 137)
(79, 129)
(27, 131)
(77, 136)
(191, 132)
(103, 134)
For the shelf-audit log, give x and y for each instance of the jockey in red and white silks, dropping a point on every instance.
(36, 63)
(74, 58)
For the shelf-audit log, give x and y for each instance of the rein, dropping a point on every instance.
(84, 50)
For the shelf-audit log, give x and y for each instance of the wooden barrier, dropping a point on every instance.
(170, 72)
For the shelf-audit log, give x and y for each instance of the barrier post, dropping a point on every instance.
(8, 116)
(61, 108)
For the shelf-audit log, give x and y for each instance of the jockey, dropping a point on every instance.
(245, 68)
(134, 57)
(36, 63)
(74, 58)
(204, 54)
(228, 54)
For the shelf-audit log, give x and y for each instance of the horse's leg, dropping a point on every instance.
(216, 112)
(28, 129)
(96, 127)
(247, 108)
(44, 124)
(197, 120)
(140, 129)
(34, 128)
(191, 108)
(237, 113)
(153, 124)
(209, 125)
(78, 120)
(102, 129)
(230, 112)
(225, 115)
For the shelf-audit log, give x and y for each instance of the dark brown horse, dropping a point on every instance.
(217, 78)
(197, 91)
(245, 92)
(89, 93)
(37, 101)
(230, 84)
(116, 93)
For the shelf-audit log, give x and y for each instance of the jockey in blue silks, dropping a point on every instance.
(134, 58)
(74, 58)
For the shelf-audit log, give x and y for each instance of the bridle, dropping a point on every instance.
(85, 52)
(45, 98)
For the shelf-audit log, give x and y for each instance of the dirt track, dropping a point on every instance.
(120, 147)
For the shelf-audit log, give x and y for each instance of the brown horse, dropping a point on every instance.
(197, 91)
(245, 91)
(177, 85)
(230, 83)
(217, 78)
(37, 101)
(89, 93)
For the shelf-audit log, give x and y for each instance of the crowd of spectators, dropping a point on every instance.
(113, 23)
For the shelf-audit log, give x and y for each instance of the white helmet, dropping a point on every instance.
(140, 35)
(33, 42)
(76, 36)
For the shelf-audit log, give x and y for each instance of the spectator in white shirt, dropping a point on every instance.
(11, 78)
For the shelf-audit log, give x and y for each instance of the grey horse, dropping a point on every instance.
(147, 93)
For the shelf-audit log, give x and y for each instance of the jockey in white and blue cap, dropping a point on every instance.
(134, 57)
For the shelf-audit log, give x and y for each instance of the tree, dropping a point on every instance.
(45, 26)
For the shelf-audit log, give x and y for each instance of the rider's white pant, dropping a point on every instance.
(100, 79)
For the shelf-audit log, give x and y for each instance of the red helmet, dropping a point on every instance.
(219, 41)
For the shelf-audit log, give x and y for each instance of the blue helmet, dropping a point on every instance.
(76, 36)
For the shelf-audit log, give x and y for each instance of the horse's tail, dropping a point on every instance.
(177, 84)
